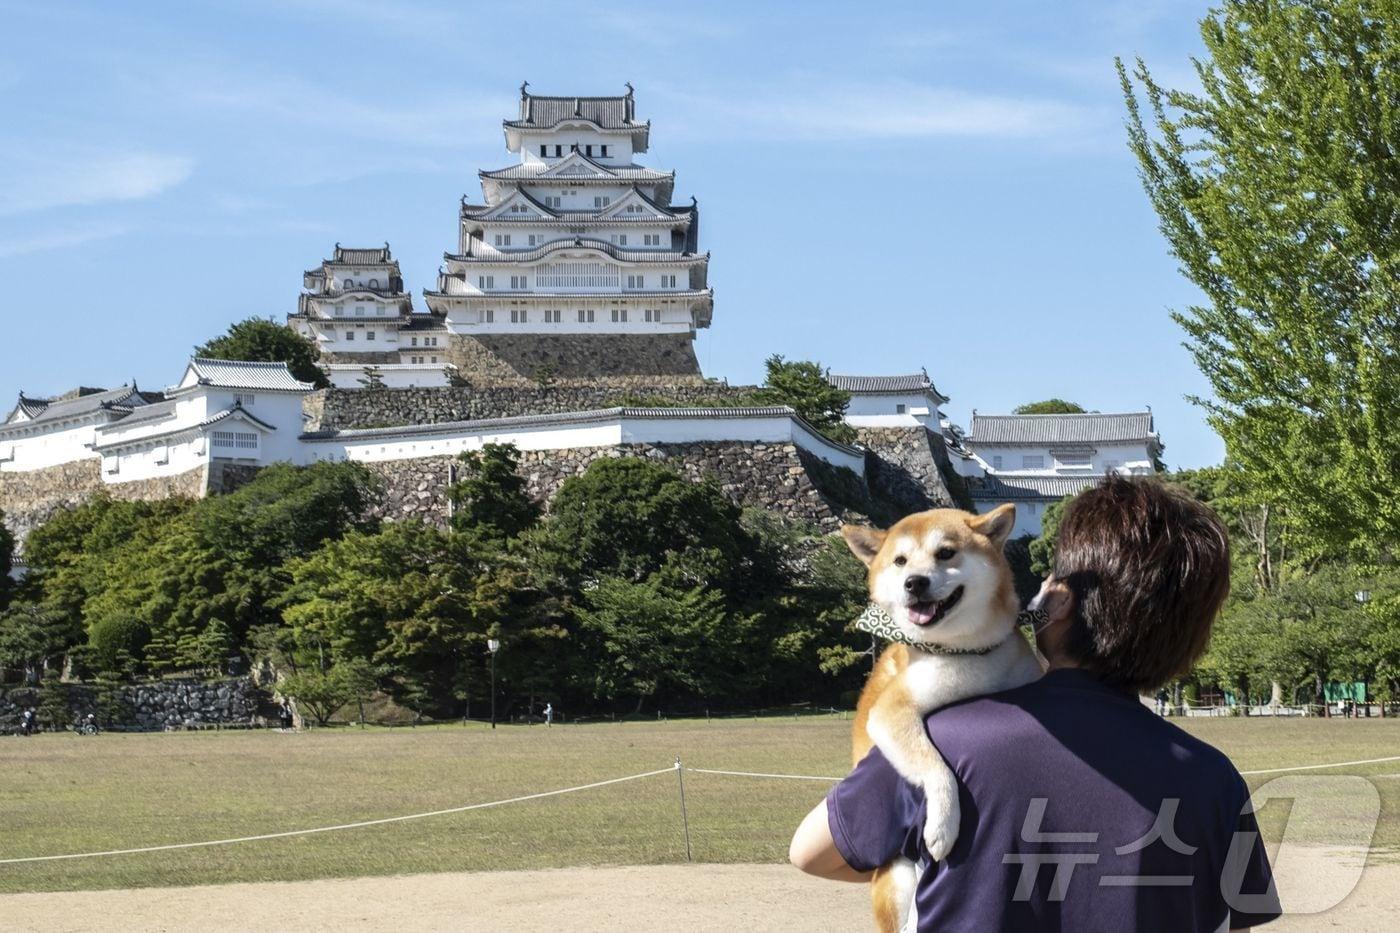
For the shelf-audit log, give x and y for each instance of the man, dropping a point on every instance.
(1081, 809)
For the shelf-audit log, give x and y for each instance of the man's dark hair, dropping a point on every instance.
(1149, 568)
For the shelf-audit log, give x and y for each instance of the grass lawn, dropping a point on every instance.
(62, 793)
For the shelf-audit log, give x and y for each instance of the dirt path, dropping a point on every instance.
(720, 898)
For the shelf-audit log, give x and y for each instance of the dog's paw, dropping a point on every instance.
(941, 824)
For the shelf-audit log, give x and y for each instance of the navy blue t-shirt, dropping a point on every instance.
(1081, 810)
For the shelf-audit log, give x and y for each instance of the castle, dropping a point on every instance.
(576, 287)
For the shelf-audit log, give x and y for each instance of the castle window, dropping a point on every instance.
(485, 281)
(1032, 462)
(373, 283)
(359, 310)
(605, 151)
(622, 239)
(996, 461)
(519, 281)
(488, 316)
(602, 201)
(899, 409)
(434, 359)
(585, 316)
(369, 335)
(635, 281)
(558, 151)
(349, 335)
(588, 150)
(532, 239)
(651, 239)
(544, 150)
(668, 281)
(653, 315)
(413, 341)
(519, 315)
(1074, 459)
(245, 400)
(346, 284)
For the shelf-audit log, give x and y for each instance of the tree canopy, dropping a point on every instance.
(261, 340)
(1276, 187)
(1049, 406)
(803, 385)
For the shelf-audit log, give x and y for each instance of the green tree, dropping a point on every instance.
(33, 636)
(629, 517)
(1276, 187)
(323, 693)
(1050, 406)
(1042, 548)
(491, 499)
(7, 555)
(802, 385)
(262, 340)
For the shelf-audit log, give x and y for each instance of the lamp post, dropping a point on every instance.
(493, 645)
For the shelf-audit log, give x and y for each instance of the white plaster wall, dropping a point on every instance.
(179, 456)
(61, 445)
(619, 146)
(1132, 457)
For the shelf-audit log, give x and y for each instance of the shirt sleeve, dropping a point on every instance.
(1248, 883)
(874, 814)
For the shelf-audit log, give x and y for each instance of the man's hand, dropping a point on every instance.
(814, 851)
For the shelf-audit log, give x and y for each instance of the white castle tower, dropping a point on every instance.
(577, 260)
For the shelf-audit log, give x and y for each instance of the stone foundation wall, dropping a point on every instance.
(523, 358)
(778, 477)
(905, 468)
(339, 409)
(30, 498)
(151, 706)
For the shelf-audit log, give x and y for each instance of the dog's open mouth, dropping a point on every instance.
(933, 610)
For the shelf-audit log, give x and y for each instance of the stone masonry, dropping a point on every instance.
(513, 359)
(152, 706)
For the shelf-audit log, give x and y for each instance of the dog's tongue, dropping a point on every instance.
(921, 613)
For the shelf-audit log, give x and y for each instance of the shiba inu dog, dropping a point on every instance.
(941, 591)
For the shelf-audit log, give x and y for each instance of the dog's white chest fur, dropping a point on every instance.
(935, 680)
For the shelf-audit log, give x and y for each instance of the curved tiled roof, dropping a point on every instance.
(582, 242)
(349, 256)
(1008, 488)
(610, 174)
(876, 385)
(241, 374)
(41, 411)
(1036, 430)
(540, 112)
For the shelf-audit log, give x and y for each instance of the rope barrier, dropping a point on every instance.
(760, 774)
(676, 768)
(329, 829)
(1335, 764)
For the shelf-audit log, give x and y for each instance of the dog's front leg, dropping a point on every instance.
(896, 726)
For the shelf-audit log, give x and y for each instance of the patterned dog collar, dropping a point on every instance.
(877, 622)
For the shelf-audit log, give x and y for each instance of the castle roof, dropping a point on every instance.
(354, 256)
(1087, 428)
(1000, 488)
(240, 374)
(886, 385)
(538, 111)
(75, 404)
(619, 253)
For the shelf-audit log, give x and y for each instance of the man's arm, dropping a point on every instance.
(814, 850)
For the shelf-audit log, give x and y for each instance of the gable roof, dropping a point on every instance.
(1088, 428)
(239, 374)
(354, 256)
(541, 112)
(39, 411)
(886, 385)
(1010, 488)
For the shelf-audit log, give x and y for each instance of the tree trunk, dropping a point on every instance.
(1275, 694)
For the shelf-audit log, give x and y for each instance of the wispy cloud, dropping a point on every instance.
(65, 238)
(863, 113)
(33, 185)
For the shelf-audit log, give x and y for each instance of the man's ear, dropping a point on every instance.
(1055, 599)
(996, 524)
(864, 542)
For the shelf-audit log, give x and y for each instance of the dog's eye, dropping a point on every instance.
(901, 560)
(945, 553)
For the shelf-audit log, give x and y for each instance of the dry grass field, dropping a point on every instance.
(63, 794)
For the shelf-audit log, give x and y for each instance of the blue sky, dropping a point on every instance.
(883, 187)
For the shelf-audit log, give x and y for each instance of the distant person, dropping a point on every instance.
(285, 713)
(1162, 702)
(549, 714)
(26, 722)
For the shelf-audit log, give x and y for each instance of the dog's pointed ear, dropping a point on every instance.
(863, 541)
(996, 524)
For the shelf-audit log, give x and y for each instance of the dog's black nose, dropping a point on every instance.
(916, 584)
